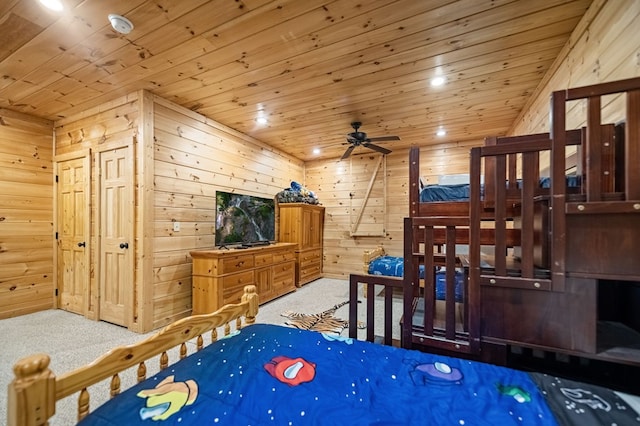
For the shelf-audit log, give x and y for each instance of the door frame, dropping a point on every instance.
(85, 155)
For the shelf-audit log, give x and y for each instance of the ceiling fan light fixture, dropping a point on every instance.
(437, 81)
(120, 23)
(55, 5)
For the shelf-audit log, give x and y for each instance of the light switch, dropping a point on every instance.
(176, 226)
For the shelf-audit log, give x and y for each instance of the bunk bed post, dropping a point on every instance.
(414, 180)
(489, 172)
(557, 201)
(472, 302)
(408, 284)
(632, 146)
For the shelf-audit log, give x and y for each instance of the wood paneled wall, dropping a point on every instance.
(26, 214)
(182, 158)
(604, 47)
(341, 187)
(193, 158)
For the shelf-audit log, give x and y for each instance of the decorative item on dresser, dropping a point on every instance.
(219, 276)
(303, 224)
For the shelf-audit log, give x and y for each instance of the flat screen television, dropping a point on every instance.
(244, 219)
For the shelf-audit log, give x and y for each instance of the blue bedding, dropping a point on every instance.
(460, 192)
(393, 266)
(274, 375)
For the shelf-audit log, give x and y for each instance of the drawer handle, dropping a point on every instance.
(239, 264)
(492, 281)
(536, 285)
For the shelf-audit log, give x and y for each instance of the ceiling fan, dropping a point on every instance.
(357, 138)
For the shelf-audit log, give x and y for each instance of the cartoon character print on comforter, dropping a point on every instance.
(277, 375)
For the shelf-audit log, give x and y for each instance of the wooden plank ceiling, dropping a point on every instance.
(310, 67)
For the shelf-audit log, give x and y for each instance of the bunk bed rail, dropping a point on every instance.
(604, 223)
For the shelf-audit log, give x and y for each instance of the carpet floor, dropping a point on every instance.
(72, 340)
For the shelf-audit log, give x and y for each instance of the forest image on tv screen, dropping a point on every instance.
(244, 218)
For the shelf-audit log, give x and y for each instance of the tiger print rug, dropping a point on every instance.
(323, 322)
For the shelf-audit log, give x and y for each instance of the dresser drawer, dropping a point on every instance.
(309, 257)
(313, 269)
(284, 277)
(233, 286)
(284, 256)
(236, 263)
(264, 259)
(284, 270)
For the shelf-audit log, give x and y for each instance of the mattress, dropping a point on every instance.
(460, 192)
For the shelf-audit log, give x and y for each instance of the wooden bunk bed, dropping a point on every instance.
(564, 276)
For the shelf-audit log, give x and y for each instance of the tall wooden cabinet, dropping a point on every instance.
(303, 224)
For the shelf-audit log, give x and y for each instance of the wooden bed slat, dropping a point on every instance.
(530, 179)
(142, 372)
(500, 220)
(594, 151)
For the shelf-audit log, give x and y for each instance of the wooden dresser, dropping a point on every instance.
(219, 276)
(303, 224)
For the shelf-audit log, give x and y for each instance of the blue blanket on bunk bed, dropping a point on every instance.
(275, 375)
(460, 192)
(393, 266)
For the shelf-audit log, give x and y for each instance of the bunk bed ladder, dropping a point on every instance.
(424, 324)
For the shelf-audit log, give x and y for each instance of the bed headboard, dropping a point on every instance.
(369, 255)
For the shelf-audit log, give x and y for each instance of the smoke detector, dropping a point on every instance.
(120, 23)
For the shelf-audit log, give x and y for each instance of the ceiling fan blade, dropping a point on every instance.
(384, 138)
(348, 152)
(377, 148)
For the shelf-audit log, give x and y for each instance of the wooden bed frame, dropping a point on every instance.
(35, 389)
(396, 282)
(570, 285)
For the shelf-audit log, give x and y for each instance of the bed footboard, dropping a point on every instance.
(370, 281)
(35, 389)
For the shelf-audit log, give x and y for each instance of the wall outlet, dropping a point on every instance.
(176, 226)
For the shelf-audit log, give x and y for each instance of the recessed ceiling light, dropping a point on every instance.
(441, 132)
(53, 5)
(261, 120)
(316, 151)
(437, 81)
(120, 23)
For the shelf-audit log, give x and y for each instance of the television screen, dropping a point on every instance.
(244, 219)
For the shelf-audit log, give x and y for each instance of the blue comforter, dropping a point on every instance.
(393, 266)
(273, 375)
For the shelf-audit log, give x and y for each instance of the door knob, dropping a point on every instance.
(82, 244)
(124, 245)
